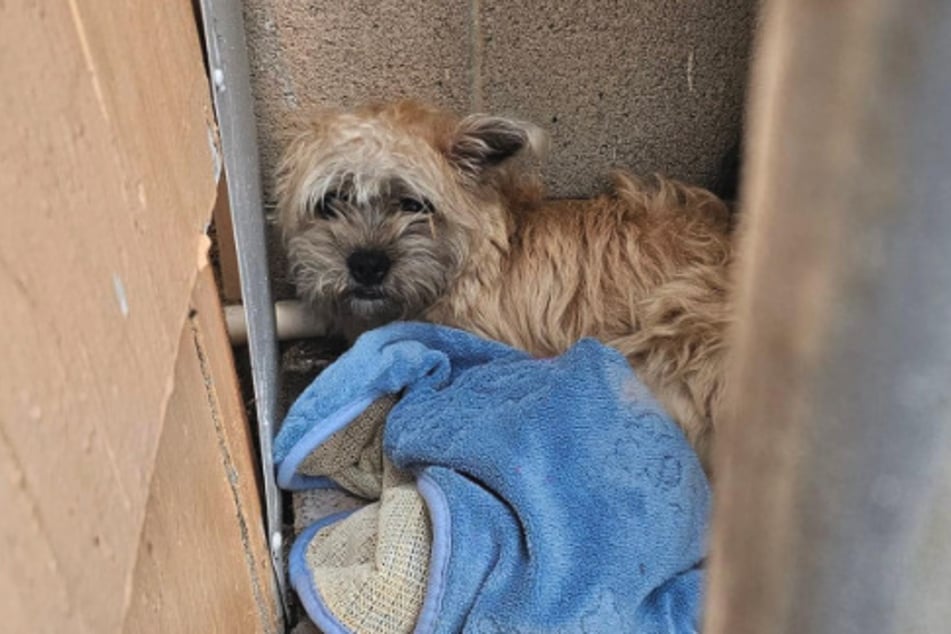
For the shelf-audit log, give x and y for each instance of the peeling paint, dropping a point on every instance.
(121, 296)
(218, 78)
(213, 149)
(204, 248)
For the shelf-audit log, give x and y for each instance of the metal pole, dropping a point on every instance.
(230, 75)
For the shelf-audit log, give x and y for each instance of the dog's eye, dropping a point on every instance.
(326, 206)
(415, 206)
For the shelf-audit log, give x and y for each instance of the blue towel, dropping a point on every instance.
(562, 498)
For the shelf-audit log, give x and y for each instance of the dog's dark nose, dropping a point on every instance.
(368, 267)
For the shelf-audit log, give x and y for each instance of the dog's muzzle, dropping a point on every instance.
(368, 267)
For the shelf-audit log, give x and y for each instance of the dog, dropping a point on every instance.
(398, 211)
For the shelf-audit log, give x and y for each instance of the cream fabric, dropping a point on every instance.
(371, 568)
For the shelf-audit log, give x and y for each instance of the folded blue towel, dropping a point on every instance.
(562, 498)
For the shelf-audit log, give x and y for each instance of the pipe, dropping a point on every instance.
(226, 46)
(293, 321)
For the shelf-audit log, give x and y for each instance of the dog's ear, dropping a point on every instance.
(480, 142)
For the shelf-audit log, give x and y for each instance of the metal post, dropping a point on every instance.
(230, 75)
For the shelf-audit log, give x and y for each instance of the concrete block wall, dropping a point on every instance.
(648, 85)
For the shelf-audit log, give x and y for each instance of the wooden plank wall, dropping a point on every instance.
(202, 565)
(833, 480)
(126, 484)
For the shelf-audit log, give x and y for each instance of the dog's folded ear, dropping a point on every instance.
(482, 141)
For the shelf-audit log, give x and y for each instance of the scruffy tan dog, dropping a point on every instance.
(402, 211)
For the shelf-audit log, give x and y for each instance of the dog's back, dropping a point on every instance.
(400, 211)
(644, 269)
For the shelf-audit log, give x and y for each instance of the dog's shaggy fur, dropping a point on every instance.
(462, 236)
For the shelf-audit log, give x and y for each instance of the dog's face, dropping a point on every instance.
(382, 208)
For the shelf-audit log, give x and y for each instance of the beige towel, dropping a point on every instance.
(371, 568)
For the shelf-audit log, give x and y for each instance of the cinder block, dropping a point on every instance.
(647, 85)
(326, 52)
